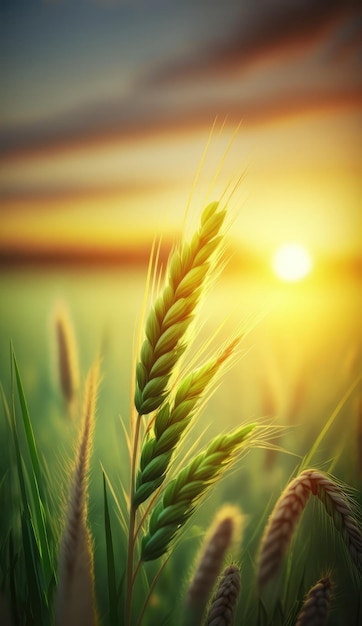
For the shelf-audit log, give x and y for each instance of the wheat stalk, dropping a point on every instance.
(171, 315)
(174, 309)
(171, 421)
(286, 514)
(222, 609)
(67, 356)
(75, 602)
(183, 493)
(314, 611)
(223, 532)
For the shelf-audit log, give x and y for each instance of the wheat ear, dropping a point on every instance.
(286, 514)
(222, 608)
(338, 507)
(314, 611)
(67, 356)
(75, 602)
(174, 309)
(222, 533)
(171, 421)
(183, 492)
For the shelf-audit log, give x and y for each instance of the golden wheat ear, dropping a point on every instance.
(224, 531)
(288, 510)
(75, 600)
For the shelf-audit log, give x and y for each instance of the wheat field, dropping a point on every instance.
(174, 419)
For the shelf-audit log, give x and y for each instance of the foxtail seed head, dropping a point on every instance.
(67, 356)
(75, 602)
(174, 310)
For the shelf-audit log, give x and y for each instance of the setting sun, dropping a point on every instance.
(292, 262)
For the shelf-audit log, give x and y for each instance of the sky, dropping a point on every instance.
(107, 106)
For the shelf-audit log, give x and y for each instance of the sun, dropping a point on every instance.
(292, 262)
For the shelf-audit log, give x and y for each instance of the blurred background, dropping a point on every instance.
(107, 108)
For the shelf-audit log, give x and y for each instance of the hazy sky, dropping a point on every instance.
(106, 107)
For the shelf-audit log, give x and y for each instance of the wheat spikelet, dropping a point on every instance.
(174, 310)
(75, 604)
(280, 529)
(182, 493)
(171, 421)
(338, 507)
(314, 611)
(222, 609)
(67, 356)
(286, 514)
(225, 527)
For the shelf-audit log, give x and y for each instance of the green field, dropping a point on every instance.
(299, 364)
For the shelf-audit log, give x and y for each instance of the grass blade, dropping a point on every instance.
(112, 585)
(12, 584)
(307, 460)
(28, 428)
(37, 490)
(33, 569)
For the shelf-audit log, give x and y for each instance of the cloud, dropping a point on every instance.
(266, 28)
(220, 77)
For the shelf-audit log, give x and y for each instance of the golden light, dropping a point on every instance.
(292, 262)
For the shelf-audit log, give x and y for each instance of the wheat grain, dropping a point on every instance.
(286, 514)
(174, 310)
(67, 356)
(182, 494)
(223, 532)
(222, 609)
(75, 605)
(314, 611)
(171, 421)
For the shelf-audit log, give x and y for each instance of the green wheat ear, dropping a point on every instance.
(183, 493)
(174, 310)
(172, 420)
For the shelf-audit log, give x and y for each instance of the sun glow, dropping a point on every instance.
(292, 262)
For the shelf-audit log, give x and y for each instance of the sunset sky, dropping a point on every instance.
(107, 107)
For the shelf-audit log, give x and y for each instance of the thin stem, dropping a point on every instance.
(329, 423)
(147, 510)
(150, 591)
(137, 569)
(132, 521)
